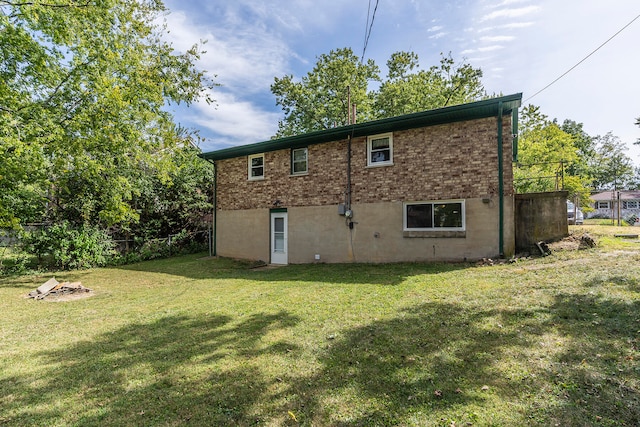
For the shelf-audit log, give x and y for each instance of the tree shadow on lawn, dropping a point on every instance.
(221, 371)
(429, 361)
(165, 372)
(596, 379)
(18, 282)
(226, 268)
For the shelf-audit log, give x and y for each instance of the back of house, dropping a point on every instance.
(430, 186)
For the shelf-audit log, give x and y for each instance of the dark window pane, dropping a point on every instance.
(300, 167)
(257, 171)
(300, 155)
(377, 144)
(419, 216)
(447, 215)
(257, 161)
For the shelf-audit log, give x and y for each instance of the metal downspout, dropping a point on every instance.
(514, 132)
(500, 182)
(212, 247)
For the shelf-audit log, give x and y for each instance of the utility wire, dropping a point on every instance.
(583, 59)
(368, 27)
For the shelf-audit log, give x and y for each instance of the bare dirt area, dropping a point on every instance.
(573, 242)
(569, 243)
(66, 297)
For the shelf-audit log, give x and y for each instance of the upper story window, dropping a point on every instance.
(602, 205)
(256, 166)
(441, 215)
(380, 150)
(299, 161)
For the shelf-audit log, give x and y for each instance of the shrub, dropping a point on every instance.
(62, 246)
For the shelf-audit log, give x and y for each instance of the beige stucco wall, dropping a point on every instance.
(243, 234)
(377, 235)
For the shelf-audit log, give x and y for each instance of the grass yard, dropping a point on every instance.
(195, 341)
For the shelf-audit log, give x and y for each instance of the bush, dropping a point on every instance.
(62, 246)
(179, 244)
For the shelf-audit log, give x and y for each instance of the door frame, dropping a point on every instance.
(281, 258)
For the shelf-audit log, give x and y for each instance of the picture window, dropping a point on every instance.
(437, 215)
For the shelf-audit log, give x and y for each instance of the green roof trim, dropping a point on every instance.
(457, 113)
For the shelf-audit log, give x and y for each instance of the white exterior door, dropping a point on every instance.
(279, 238)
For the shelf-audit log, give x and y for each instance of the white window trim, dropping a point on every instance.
(626, 203)
(306, 171)
(251, 157)
(435, 202)
(385, 163)
(608, 204)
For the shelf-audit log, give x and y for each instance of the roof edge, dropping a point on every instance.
(455, 113)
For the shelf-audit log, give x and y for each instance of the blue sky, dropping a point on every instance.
(521, 46)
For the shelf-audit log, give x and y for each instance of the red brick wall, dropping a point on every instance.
(451, 161)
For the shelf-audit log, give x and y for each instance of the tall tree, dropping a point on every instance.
(406, 91)
(611, 167)
(319, 100)
(548, 157)
(82, 91)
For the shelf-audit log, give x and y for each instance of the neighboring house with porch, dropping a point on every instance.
(607, 203)
(429, 186)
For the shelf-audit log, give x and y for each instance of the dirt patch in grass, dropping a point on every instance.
(573, 242)
(67, 297)
(569, 243)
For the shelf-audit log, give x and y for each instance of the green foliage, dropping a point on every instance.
(81, 106)
(548, 158)
(65, 247)
(610, 166)
(406, 91)
(174, 198)
(319, 100)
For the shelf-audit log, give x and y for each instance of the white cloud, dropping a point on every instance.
(235, 121)
(435, 28)
(494, 39)
(439, 35)
(508, 2)
(238, 57)
(510, 13)
(510, 26)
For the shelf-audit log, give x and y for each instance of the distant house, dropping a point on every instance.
(434, 185)
(606, 204)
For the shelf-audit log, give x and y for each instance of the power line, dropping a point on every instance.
(583, 59)
(367, 32)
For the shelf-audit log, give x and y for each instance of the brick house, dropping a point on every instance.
(428, 186)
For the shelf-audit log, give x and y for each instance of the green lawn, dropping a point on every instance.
(196, 341)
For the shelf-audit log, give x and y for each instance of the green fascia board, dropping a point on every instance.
(457, 113)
